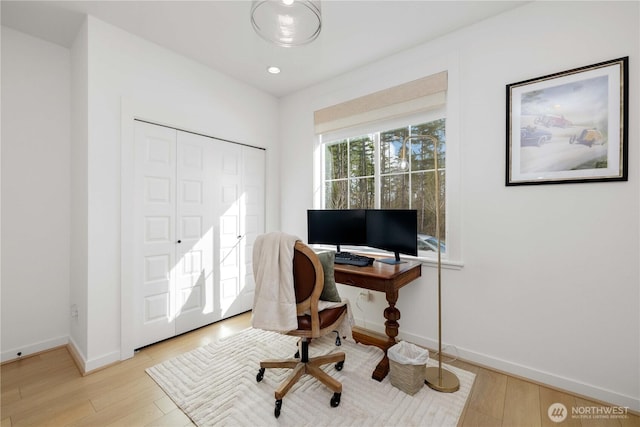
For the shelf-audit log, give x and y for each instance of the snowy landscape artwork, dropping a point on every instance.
(569, 126)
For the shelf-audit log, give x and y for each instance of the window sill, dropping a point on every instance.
(446, 264)
(426, 261)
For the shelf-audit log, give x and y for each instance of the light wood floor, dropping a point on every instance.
(47, 389)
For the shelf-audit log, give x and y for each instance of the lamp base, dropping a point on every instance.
(448, 383)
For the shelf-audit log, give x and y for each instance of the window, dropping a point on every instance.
(367, 171)
(359, 149)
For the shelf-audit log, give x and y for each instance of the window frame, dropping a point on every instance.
(452, 258)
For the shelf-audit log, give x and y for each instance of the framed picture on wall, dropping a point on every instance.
(569, 127)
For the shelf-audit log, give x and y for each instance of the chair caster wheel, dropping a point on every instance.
(339, 365)
(260, 375)
(338, 342)
(297, 355)
(276, 411)
(335, 400)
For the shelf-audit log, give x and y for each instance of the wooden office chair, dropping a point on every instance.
(308, 280)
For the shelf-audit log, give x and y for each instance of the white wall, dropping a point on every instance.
(550, 284)
(35, 194)
(79, 191)
(128, 76)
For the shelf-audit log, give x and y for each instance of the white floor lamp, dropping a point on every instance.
(435, 377)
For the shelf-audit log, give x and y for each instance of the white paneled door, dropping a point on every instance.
(252, 213)
(241, 216)
(199, 204)
(231, 239)
(196, 179)
(154, 233)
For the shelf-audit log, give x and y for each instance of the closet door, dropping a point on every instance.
(196, 194)
(241, 220)
(199, 205)
(154, 237)
(252, 212)
(230, 236)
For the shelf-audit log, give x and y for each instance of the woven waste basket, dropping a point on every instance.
(407, 363)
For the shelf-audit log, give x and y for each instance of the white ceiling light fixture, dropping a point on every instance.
(273, 69)
(287, 23)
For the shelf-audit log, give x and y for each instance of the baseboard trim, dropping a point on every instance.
(102, 362)
(11, 355)
(546, 379)
(567, 385)
(77, 356)
(87, 367)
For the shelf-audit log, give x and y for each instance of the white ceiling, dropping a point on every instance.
(219, 33)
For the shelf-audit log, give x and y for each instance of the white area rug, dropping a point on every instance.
(216, 385)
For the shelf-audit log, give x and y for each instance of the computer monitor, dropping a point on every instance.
(394, 230)
(337, 227)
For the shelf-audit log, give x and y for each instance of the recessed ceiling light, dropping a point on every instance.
(273, 69)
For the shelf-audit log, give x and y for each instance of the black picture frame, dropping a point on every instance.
(569, 127)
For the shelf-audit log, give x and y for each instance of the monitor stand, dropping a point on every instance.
(339, 253)
(392, 261)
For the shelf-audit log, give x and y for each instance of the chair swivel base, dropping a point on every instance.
(305, 365)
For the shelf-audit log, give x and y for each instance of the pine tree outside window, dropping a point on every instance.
(363, 172)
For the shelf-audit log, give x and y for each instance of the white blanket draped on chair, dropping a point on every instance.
(274, 304)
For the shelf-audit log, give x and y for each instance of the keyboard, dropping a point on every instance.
(353, 259)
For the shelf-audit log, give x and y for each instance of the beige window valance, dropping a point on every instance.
(424, 94)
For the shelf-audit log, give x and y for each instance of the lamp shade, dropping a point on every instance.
(286, 23)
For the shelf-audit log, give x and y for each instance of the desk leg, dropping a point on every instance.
(366, 337)
(392, 314)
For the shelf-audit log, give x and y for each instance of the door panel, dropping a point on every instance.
(252, 219)
(194, 270)
(154, 248)
(229, 161)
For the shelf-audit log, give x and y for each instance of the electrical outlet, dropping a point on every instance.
(74, 311)
(365, 295)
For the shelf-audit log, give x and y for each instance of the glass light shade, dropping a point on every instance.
(287, 23)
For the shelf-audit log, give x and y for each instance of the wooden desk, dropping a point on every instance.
(383, 278)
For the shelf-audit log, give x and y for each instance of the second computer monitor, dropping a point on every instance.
(394, 230)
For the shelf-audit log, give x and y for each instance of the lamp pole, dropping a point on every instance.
(437, 378)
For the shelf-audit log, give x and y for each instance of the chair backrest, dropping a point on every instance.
(308, 275)
(308, 279)
(304, 276)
